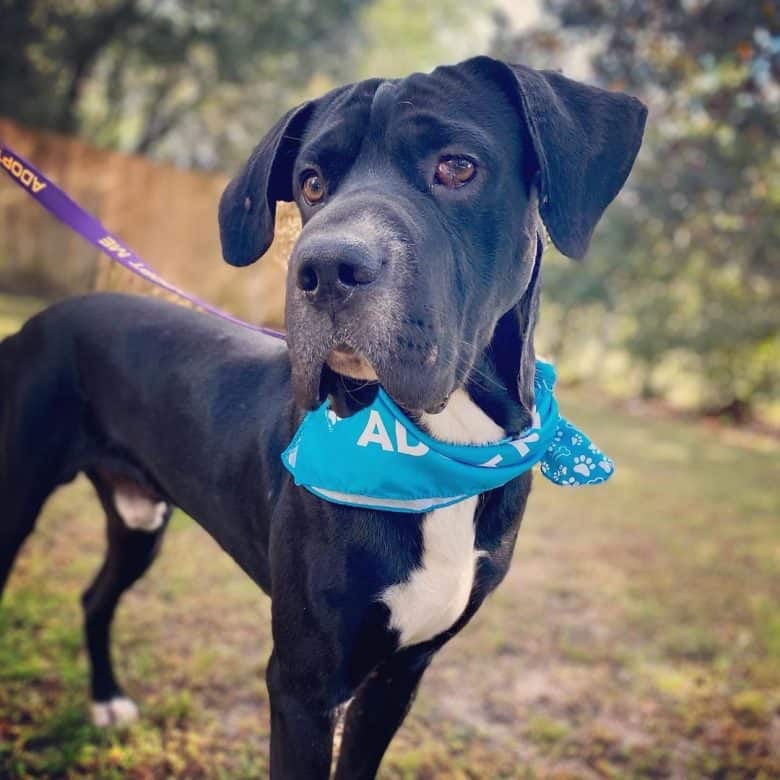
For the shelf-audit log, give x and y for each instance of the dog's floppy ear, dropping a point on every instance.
(585, 140)
(247, 209)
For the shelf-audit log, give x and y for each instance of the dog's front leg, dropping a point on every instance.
(301, 724)
(376, 712)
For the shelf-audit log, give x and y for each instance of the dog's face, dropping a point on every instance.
(392, 277)
(420, 200)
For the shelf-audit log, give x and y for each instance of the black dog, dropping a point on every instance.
(418, 266)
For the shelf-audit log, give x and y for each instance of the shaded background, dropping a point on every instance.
(640, 634)
(679, 298)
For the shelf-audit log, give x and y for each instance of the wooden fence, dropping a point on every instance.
(167, 215)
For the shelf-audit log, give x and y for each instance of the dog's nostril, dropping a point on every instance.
(328, 277)
(353, 274)
(347, 275)
(307, 278)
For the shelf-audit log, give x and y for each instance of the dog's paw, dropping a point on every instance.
(119, 711)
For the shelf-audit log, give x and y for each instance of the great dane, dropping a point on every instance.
(423, 201)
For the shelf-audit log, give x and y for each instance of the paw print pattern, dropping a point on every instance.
(572, 459)
(557, 474)
(584, 465)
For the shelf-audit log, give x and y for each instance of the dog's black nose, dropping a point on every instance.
(330, 275)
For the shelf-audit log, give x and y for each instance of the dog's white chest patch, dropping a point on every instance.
(437, 592)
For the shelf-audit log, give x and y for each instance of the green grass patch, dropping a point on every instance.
(15, 309)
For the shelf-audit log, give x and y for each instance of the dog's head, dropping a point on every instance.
(420, 200)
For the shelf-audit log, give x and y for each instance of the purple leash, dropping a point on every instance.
(55, 200)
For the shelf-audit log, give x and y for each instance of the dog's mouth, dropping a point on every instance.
(346, 394)
(350, 363)
(349, 380)
(351, 373)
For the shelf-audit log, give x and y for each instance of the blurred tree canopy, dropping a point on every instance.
(198, 82)
(684, 274)
(682, 286)
(134, 74)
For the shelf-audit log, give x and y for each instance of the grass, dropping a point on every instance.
(14, 310)
(636, 636)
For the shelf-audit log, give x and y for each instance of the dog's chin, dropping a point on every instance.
(342, 375)
(348, 380)
(351, 364)
(351, 381)
(346, 395)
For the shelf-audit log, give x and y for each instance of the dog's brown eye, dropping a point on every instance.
(455, 171)
(313, 189)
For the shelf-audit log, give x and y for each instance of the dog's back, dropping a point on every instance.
(77, 376)
(124, 389)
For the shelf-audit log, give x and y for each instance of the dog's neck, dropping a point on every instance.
(492, 403)
(501, 381)
(462, 421)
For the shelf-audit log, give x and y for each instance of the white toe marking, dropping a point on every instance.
(119, 711)
(101, 714)
(434, 596)
(125, 710)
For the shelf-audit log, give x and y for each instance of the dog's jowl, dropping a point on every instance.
(424, 201)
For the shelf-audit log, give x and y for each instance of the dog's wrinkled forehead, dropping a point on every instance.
(337, 129)
(583, 142)
(407, 118)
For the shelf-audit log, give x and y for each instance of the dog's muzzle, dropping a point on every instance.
(329, 275)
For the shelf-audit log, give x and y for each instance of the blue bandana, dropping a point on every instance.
(378, 458)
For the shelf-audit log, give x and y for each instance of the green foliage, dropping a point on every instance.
(199, 82)
(681, 294)
(127, 73)
(397, 37)
(684, 271)
(14, 310)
